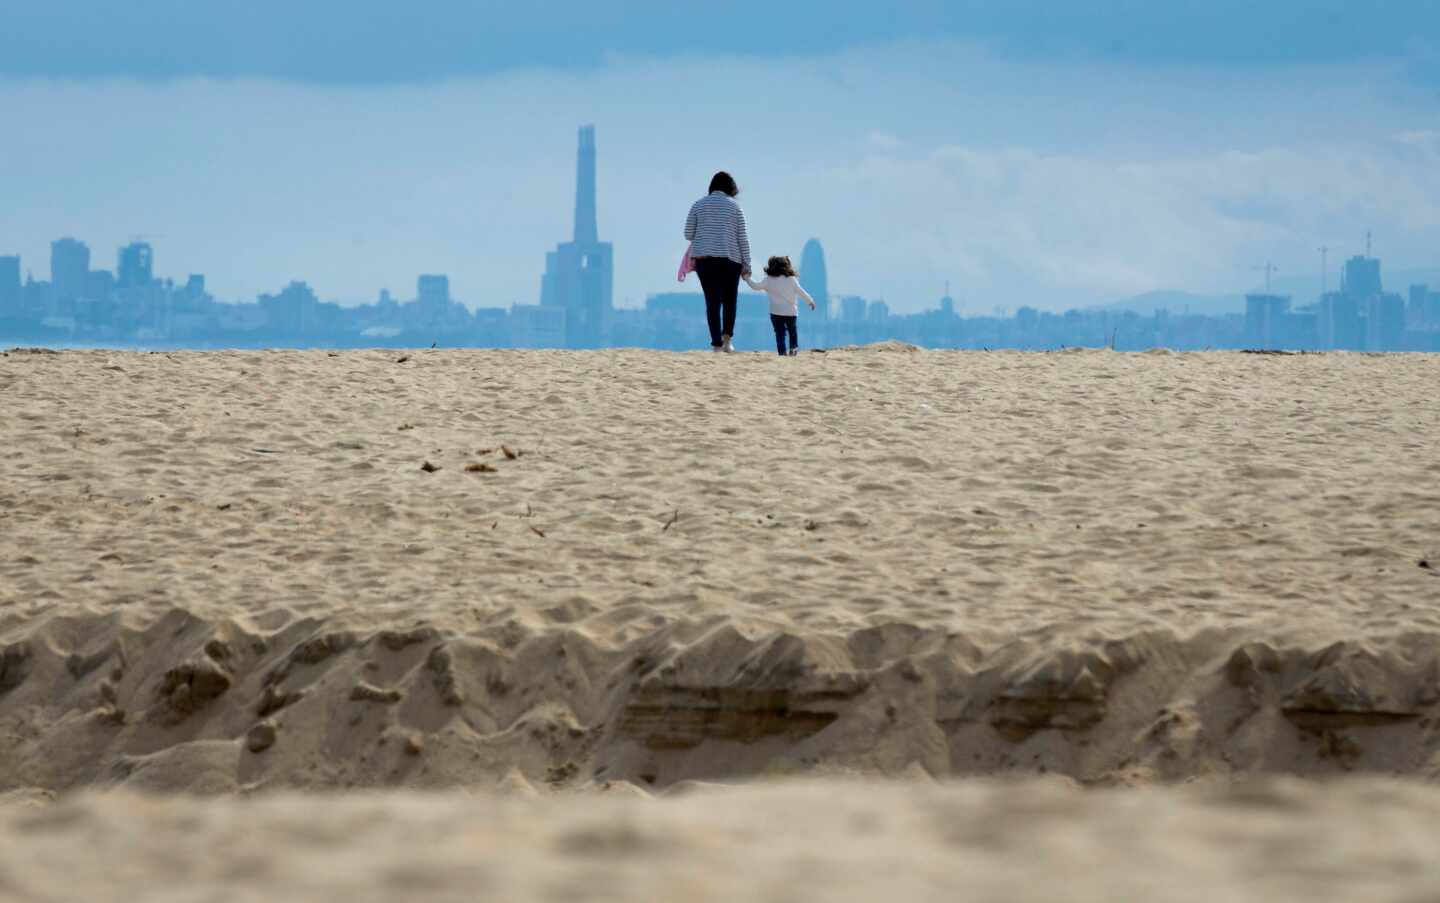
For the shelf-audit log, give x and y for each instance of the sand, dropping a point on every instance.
(1036, 841)
(267, 572)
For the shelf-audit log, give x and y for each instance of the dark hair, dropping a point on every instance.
(723, 181)
(779, 266)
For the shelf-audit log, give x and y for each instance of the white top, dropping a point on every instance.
(783, 290)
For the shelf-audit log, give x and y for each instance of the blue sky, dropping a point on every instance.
(1028, 152)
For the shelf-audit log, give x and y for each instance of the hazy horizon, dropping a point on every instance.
(1020, 162)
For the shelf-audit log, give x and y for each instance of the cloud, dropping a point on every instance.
(381, 42)
(1015, 226)
(883, 141)
(1049, 183)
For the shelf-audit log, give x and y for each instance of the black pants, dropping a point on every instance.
(720, 278)
(785, 326)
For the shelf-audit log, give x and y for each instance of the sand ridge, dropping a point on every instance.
(232, 570)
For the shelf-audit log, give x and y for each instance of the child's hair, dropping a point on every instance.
(779, 266)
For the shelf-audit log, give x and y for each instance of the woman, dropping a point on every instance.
(721, 250)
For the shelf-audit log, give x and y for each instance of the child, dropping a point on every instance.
(782, 287)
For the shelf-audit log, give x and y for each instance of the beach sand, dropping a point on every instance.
(274, 571)
(795, 842)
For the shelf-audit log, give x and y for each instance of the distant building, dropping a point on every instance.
(1027, 319)
(433, 291)
(676, 304)
(814, 277)
(492, 325)
(537, 326)
(69, 268)
(1265, 320)
(99, 285)
(9, 285)
(1339, 322)
(1362, 316)
(1385, 323)
(579, 274)
(435, 313)
(1417, 313)
(293, 310)
(148, 310)
(1430, 307)
(136, 266)
(1361, 279)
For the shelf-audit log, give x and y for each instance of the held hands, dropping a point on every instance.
(811, 303)
(745, 272)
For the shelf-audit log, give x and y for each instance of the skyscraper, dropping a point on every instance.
(814, 277)
(1419, 294)
(69, 268)
(433, 291)
(579, 274)
(1354, 315)
(1264, 319)
(136, 266)
(587, 230)
(1385, 323)
(1362, 278)
(9, 285)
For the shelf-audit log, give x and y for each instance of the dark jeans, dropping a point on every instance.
(720, 278)
(785, 326)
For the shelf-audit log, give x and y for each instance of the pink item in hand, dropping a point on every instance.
(687, 265)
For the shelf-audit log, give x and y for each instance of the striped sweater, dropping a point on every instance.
(716, 228)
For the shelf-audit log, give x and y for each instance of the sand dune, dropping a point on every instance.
(250, 570)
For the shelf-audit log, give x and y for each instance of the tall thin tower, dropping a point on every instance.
(579, 274)
(586, 230)
(812, 274)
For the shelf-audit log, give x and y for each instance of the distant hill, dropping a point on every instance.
(1178, 303)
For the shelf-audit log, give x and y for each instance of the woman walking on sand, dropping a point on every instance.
(720, 247)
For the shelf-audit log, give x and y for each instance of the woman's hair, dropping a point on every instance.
(723, 181)
(779, 266)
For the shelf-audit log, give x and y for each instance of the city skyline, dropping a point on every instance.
(135, 265)
(575, 307)
(937, 148)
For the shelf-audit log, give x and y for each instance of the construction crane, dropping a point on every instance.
(1268, 269)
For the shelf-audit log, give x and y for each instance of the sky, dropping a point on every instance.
(1056, 154)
